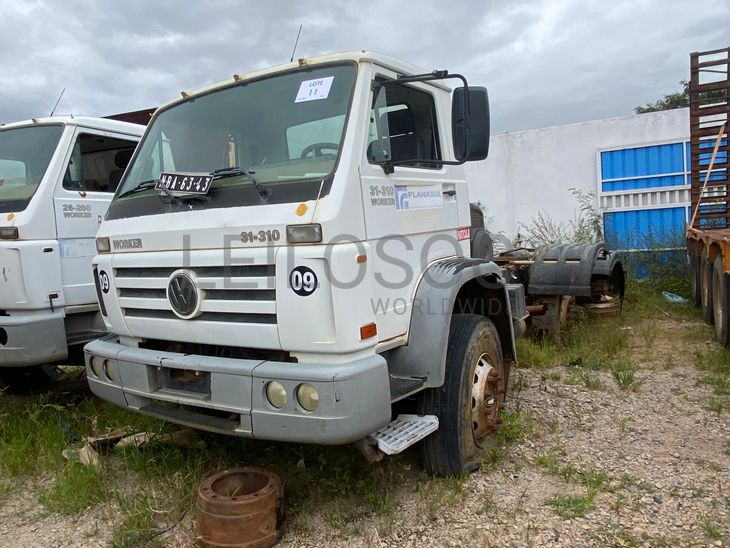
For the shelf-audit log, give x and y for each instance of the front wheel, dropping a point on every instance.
(469, 403)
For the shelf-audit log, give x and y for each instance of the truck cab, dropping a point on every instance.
(292, 252)
(57, 177)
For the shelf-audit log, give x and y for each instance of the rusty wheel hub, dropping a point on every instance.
(485, 399)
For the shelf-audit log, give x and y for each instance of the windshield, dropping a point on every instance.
(24, 157)
(285, 129)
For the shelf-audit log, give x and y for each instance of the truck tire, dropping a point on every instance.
(468, 404)
(720, 305)
(694, 276)
(706, 287)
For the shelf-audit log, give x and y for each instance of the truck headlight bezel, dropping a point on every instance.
(9, 233)
(304, 234)
(103, 245)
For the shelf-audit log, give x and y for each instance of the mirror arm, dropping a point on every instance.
(376, 85)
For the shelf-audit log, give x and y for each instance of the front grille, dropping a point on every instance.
(236, 294)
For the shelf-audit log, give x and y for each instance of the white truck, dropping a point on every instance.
(292, 252)
(57, 177)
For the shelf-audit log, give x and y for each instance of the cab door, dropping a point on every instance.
(411, 214)
(94, 167)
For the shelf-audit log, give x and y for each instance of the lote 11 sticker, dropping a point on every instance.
(312, 90)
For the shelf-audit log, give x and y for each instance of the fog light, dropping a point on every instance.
(308, 397)
(96, 366)
(276, 394)
(110, 370)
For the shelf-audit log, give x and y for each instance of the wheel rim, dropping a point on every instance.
(485, 399)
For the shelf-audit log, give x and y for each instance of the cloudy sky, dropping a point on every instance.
(545, 62)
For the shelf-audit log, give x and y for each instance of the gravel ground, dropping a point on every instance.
(665, 456)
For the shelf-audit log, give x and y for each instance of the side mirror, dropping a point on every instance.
(470, 130)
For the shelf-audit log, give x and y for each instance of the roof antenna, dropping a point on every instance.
(295, 44)
(58, 101)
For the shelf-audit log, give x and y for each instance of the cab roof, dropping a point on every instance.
(103, 124)
(356, 56)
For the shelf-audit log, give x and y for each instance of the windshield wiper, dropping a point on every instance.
(235, 171)
(144, 185)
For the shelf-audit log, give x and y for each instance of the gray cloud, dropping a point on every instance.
(545, 62)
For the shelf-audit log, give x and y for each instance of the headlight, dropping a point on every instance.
(276, 394)
(308, 397)
(8, 233)
(110, 370)
(103, 245)
(304, 234)
(96, 366)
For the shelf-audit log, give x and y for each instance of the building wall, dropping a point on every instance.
(528, 172)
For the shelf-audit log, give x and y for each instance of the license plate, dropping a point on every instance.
(185, 183)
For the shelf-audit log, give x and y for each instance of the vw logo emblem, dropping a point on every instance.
(183, 295)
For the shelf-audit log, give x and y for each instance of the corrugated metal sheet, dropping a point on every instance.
(646, 228)
(643, 167)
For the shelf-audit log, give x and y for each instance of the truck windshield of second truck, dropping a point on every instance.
(286, 129)
(25, 153)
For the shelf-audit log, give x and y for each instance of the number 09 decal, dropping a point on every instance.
(303, 281)
(103, 281)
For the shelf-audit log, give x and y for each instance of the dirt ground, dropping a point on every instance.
(592, 465)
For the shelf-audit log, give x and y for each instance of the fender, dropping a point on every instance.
(454, 285)
(569, 269)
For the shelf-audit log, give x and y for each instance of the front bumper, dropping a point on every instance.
(229, 394)
(32, 339)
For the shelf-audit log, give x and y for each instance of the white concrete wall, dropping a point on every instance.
(531, 171)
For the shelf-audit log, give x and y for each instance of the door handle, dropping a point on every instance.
(450, 192)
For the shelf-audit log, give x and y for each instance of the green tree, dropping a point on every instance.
(680, 99)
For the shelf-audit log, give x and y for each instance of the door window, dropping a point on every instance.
(403, 126)
(97, 163)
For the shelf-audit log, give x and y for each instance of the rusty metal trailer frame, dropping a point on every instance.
(708, 233)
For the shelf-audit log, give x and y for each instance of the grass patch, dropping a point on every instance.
(538, 353)
(32, 437)
(625, 377)
(137, 526)
(555, 463)
(77, 488)
(579, 376)
(435, 493)
(571, 506)
(716, 405)
(715, 362)
(514, 428)
(6, 487)
(711, 530)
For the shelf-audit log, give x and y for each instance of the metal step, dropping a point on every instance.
(405, 431)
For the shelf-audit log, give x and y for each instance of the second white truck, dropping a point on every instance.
(57, 177)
